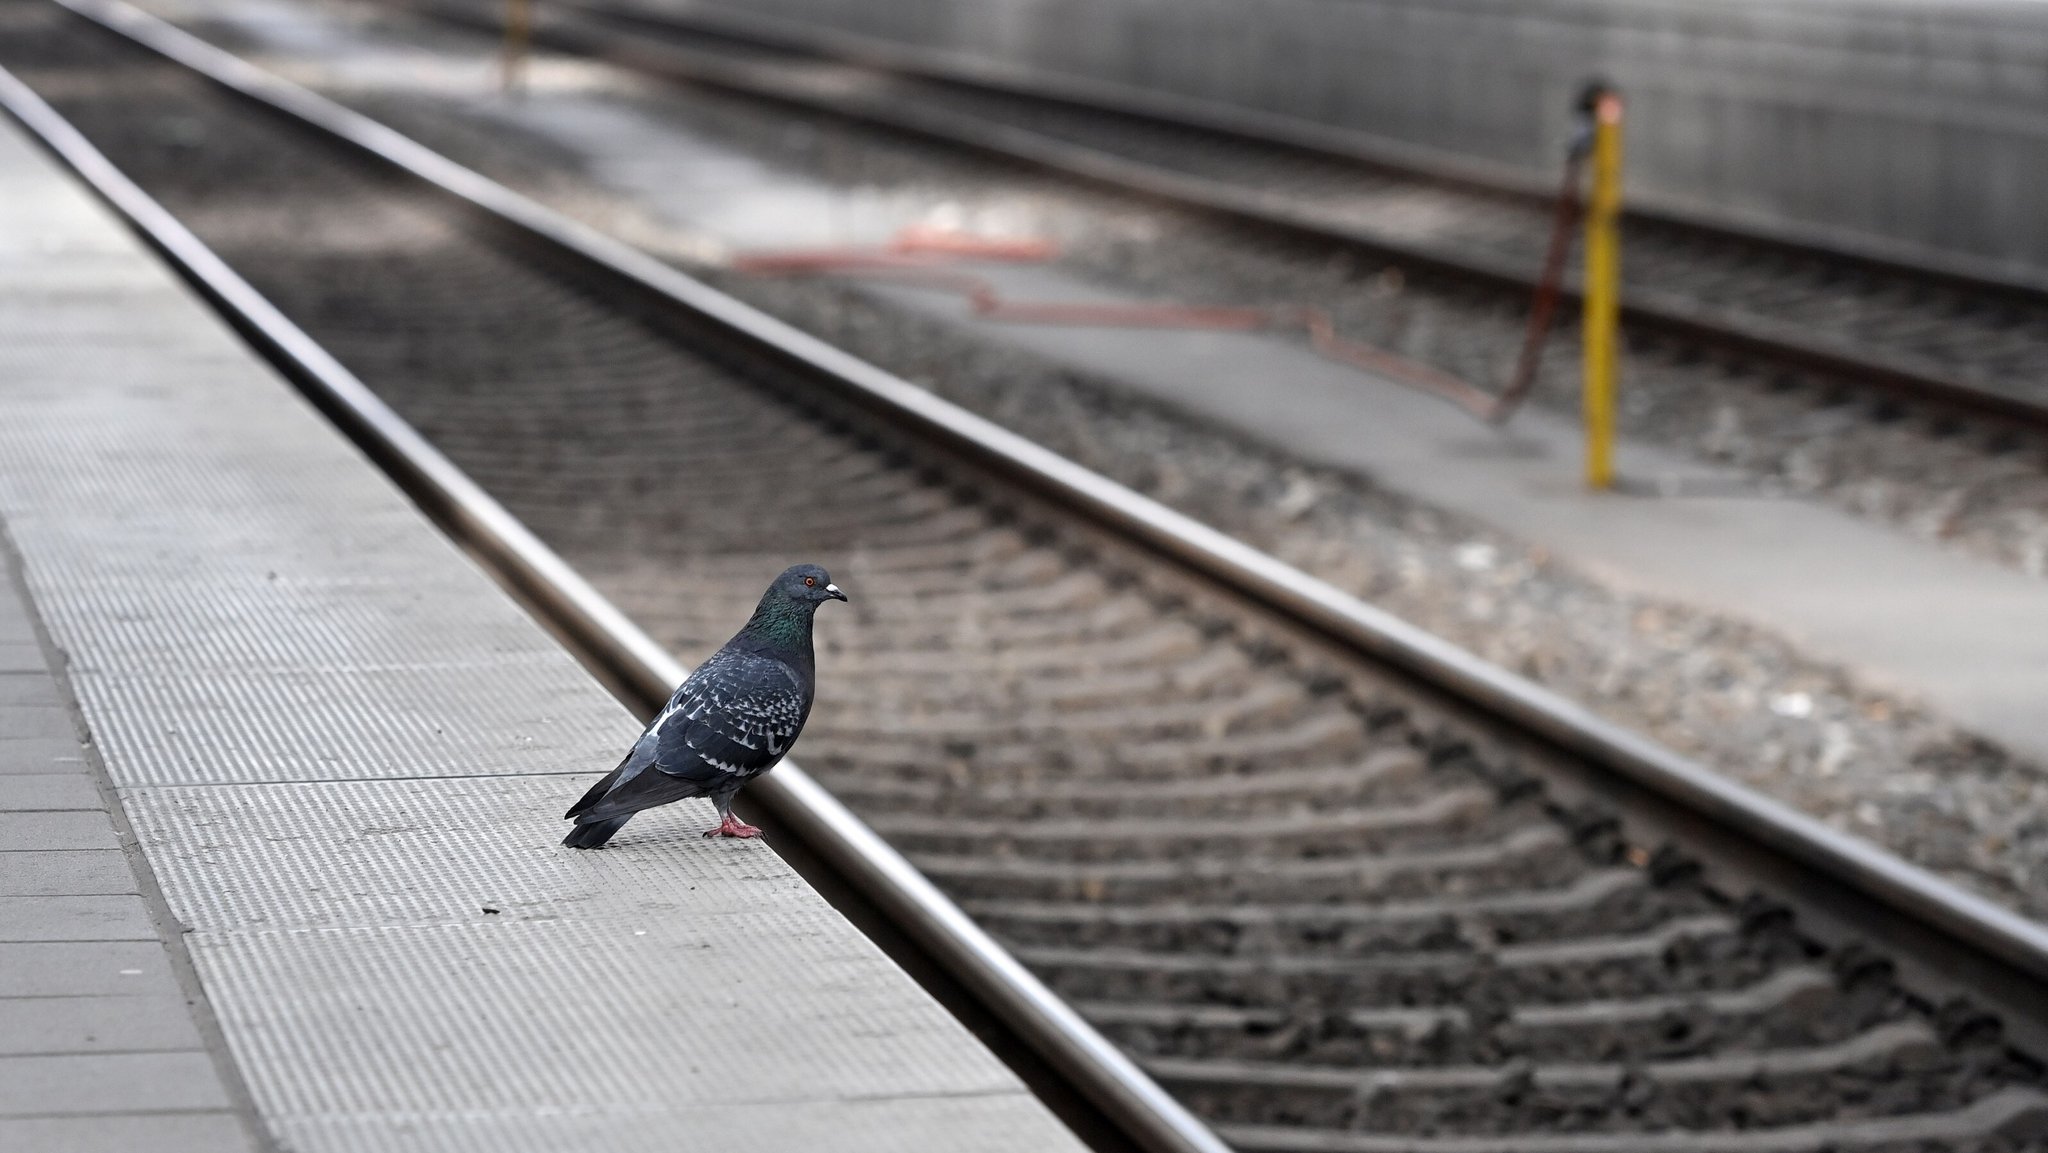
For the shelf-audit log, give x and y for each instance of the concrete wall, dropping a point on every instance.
(1919, 129)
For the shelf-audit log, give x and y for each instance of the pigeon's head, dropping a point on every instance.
(807, 584)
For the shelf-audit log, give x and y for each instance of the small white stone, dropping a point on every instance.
(1476, 556)
(1792, 704)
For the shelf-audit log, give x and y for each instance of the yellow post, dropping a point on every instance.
(518, 30)
(1603, 289)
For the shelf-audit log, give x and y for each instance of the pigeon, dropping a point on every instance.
(732, 719)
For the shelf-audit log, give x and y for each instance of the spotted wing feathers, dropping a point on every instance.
(731, 721)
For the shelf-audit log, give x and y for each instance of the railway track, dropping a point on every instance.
(1917, 332)
(1333, 893)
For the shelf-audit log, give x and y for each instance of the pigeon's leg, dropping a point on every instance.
(729, 825)
(733, 827)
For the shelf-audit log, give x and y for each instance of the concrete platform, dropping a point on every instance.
(343, 753)
(1966, 636)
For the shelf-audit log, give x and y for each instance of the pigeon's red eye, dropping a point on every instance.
(810, 582)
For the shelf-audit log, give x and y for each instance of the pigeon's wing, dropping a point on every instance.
(642, 756)
(730, 721)
(742, 721)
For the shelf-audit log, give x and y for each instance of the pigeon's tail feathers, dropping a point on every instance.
(595, 834)
(596, 793)
(637, 759)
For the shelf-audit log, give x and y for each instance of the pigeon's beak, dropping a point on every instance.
(833, 592)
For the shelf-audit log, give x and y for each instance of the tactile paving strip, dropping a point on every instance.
(1002, 1124)
(342, 745)
(310, 725)
(430, 852)
(461, 1018)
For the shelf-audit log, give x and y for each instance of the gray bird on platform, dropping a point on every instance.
(731, 720)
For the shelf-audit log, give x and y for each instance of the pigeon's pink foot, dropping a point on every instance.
(733, 827)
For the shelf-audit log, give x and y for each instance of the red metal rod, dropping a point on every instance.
(1549, 289)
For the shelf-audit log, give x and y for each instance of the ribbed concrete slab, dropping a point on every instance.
(535, 1018)
(1003, 1124)
(434, 853)
(320, 725)
(344, 753)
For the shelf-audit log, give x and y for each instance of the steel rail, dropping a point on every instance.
(1144, 1112)
(1968, 925)
(576, 29)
